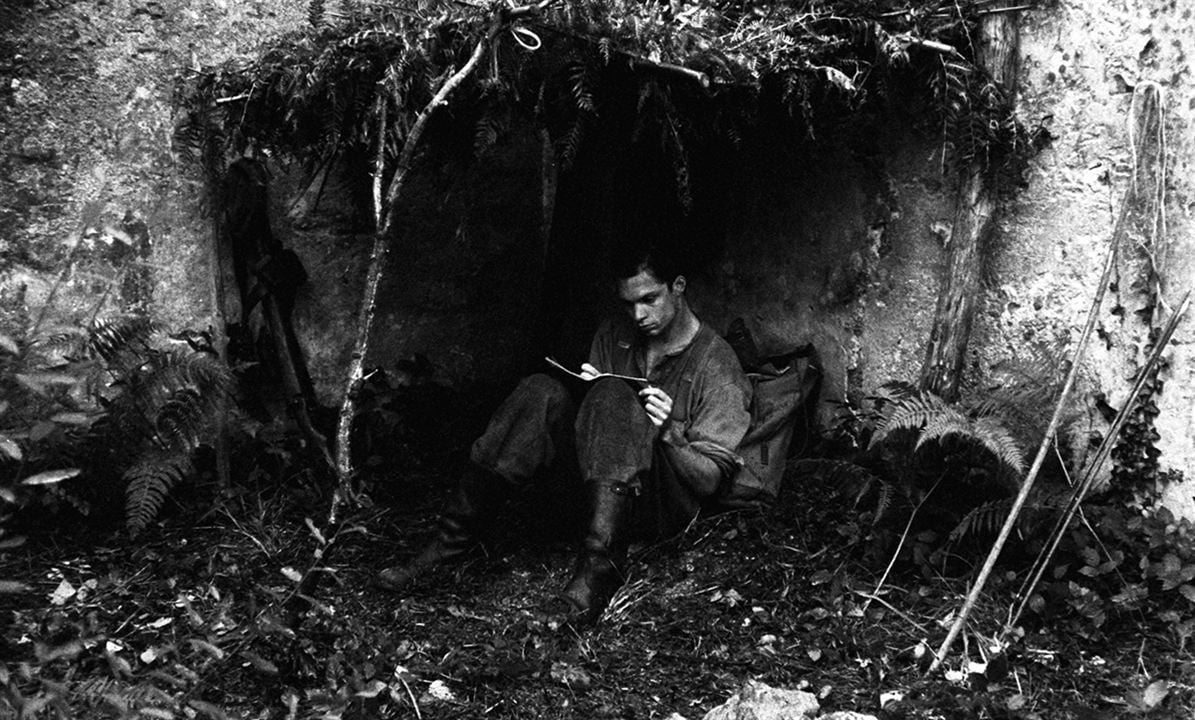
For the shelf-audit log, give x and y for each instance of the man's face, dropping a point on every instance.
(650, 303)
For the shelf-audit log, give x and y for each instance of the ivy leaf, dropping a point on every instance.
(1187, 591)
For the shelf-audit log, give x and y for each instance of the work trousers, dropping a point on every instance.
(599, 434)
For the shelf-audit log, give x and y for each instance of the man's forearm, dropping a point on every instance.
(700, 469)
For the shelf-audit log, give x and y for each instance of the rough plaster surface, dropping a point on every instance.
(848, 258)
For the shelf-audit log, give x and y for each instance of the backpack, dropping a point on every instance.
(781, 387)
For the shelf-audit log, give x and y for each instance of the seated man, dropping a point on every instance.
(649, 453)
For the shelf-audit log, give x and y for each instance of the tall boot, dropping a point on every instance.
(602, 561)
(478, 495)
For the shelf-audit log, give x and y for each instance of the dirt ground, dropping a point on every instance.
(204, 616)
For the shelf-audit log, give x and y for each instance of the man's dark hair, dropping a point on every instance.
(629, 259)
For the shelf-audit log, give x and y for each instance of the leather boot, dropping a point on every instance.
(602, 561)
(478, 494)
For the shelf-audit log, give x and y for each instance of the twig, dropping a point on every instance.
(936, 47)
(700, 77)
(1005, 9)
(903, 537)
(232, 98)
(905, 616)
(1047, 440)
(414, 703)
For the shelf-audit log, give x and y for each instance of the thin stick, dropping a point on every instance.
(377, 258)
(905, 616)
(903, 537)
(1031, 477)
(1101, 456)
(379, 162)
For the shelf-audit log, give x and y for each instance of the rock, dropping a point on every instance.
(758, 701)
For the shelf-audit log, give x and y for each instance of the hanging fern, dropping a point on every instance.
(150, 480)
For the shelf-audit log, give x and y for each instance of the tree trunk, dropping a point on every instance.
(974, 218)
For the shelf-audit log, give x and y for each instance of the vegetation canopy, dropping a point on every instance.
(352, 84)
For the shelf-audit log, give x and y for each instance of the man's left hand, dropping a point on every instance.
(658, 405)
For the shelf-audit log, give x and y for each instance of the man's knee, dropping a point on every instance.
(612, 390)
(544, 388)
(612, 405)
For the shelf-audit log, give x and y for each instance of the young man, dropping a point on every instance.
(650, 454)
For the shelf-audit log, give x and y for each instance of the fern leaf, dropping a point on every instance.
(108, 338)
(149, 481)
(992, 435)
(884, 502)
(948, 422)
(983, 519)
(910, 412)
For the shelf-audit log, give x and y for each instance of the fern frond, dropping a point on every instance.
(983, 519)
(315, 13)
(884, 502)
(570, 145)
(996, 439)
(150, 480)
(947, 422)
(909, 412)
(108, 337)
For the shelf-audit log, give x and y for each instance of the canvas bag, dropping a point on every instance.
(781, 387)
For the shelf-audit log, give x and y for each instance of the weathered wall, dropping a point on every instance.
(96, 211)
(819, 247)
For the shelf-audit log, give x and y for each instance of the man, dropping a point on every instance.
(650, 454)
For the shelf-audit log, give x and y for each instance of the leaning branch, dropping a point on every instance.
(385, 214)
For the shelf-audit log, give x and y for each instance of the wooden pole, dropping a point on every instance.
(974, 216)
(1038, 460)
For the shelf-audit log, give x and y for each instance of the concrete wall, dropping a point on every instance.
(819, 246)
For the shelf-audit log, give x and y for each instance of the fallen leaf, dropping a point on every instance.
(8, 587)
(207, 647)
(292, 574)
(65, 591)
(208, 709)
(71, 418)
(571, 676)
(9, 345)
(814, 654)
(50, 477)
(439, 691)
(10, 448)
(15, 541)
(1155, 693)
(372, 689)
(260, 663)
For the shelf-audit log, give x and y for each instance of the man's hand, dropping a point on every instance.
(658, 405)
(588, 371)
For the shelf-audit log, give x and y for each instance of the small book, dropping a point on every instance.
(632, 378)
